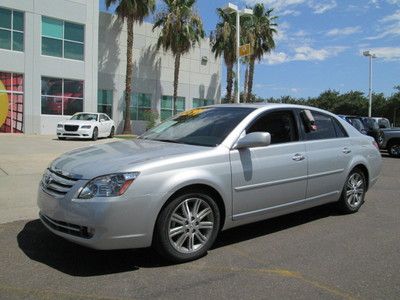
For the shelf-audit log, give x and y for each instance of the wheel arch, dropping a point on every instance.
(363, 168)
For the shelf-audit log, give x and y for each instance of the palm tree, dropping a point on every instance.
(181, 30)
(259, 30)
(223, 42)
(133, 11)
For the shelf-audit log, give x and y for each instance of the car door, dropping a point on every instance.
(271, 178)
(104, 124)
(329, 151)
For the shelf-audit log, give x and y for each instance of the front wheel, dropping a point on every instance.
(353, 193)
(95, 134)
(187, 227)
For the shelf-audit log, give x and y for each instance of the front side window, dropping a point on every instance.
(325, 127)
(169, 108)
(11, 29)
(105, 101)
(62, 39)
(200, 126)
(198, 102)
(61, 96)
(280, 124)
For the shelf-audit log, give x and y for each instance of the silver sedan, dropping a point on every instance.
(206, 170)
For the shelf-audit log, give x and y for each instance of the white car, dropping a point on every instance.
(86, 126)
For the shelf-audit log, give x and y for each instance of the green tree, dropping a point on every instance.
(132, 11)
(259, 30)
(223, 42)
(181, 30)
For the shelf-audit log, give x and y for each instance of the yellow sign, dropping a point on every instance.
(3, 104)
(244, 50)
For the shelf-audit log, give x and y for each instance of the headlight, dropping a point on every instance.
(108, 185)
(60, 125)
(86, 126)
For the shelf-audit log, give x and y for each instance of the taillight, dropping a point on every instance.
(375, 144)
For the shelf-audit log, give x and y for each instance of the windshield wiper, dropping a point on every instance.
(168, 141)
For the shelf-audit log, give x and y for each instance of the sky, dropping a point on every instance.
(319, 45)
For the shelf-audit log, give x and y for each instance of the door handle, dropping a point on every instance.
(346, 150)
(298, 157)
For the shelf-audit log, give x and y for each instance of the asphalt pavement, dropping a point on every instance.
(313, 254)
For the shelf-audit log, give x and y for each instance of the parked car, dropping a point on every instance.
(356, 122)
(86, 126)
(372, 127)
(382, 122)
(389, 139)
(203, 171)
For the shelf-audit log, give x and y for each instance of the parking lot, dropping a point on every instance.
(316, 253)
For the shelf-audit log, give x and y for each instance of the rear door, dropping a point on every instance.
(266, 179)
(329, 153)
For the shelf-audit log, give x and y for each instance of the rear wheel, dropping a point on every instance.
(353, 193)
(394, 148)
(112, 132)
(95, 134)
(187, 227)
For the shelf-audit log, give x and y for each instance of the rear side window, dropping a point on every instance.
(325, 127)
(280, 124)
(340, 131)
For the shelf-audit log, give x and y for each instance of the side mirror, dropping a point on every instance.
(254, 139)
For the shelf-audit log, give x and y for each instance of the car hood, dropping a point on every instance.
(77, 122)
(114, 157)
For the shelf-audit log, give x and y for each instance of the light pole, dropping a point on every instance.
(370, 56)
(232, 8)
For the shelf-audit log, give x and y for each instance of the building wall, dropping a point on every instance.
(153, 71)
(33, 65)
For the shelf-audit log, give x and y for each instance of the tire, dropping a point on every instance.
(95, 134)
(394, 149)
(112, 132)
(61, 138)
(353, 192)
(193, 235)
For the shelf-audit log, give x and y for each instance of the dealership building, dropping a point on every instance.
(59, 57)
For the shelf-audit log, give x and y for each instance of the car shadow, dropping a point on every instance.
(41, 245)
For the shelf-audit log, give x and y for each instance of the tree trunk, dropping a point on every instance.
(250, 79)
(176, 78)
(128, 78)
(246, 83)
(229, 82)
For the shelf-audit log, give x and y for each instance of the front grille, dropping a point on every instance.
(55, 184)
(71, 127)
(72, 229)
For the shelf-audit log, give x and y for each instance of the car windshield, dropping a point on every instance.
(204, 126)
(384, 123)
(84, 117)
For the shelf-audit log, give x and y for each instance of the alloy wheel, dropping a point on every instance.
(191, 225)
(355, 190)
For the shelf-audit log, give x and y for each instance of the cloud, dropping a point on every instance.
(304, 53)
(343, 31)
(289, 12)
(390, 26)
(386, 53)
(285, 7)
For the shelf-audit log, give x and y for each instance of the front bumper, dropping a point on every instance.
(99, 223)
(79, 134)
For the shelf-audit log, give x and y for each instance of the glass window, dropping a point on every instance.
(11, 29)
(11, 102)
(340, 131)
(169, 109)
(200, 126)
(325, 128)
(280, 124)
(140, 103)
(62, 39)
(105, 101)
(61, 96)
(198, 102)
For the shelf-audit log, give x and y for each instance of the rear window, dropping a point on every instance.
(327, 127)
